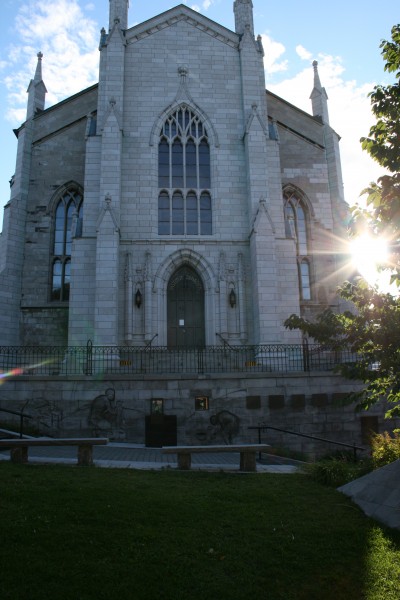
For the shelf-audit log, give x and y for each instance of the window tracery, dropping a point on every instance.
(70, 203)
(184, 176)
(297, 227)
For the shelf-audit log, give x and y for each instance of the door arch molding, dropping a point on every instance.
(167, 268)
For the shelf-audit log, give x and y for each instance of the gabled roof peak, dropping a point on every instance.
(181, 12)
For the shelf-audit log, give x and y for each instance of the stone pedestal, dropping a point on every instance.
(248, 461)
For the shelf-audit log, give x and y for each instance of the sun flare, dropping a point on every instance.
(368, 253)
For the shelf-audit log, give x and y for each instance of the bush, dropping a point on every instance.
(335, 472)
(343, 455)
(385, 448)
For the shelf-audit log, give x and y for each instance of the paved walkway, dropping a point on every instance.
(134, 456)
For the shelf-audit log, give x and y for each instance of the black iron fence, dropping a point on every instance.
(130, 360)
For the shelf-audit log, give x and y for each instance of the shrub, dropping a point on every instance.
(343, 455)
(385, 448)
(335, 472)
(329, 472)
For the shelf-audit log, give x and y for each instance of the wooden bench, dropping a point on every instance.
(247, 453)
(19, 447)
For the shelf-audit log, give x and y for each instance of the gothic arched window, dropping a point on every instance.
(296, 227)
(184, 176)
(69, 204)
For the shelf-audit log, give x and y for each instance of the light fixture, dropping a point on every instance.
(138, 298)
(232, 298)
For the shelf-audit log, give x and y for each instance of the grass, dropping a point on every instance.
(72, 533)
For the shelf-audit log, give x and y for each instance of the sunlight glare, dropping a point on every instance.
(368, 253)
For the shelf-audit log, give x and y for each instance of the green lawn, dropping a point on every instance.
(69, 533)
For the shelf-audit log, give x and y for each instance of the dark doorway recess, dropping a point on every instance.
(161, 430)
(185, 309)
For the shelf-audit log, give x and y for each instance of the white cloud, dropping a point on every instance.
(69, 43)
(303, 52)
(204, 6)
(349, 114)
(273, 51)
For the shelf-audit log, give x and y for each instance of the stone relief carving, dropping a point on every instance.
(222, 426)
(41, 416)
(226, 425)
(106, 416)
(46, 417)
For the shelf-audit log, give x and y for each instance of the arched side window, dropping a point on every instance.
(297, 227)
(70, 203)
(184, 176)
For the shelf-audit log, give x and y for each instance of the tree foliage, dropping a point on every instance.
(382, 214)
(383, 140)
(371, 333)
(371, 329)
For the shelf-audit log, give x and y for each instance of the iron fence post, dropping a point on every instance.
(89, 358)
(306, 356)
(200, 360)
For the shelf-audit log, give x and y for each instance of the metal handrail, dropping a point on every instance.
(148, 345)
(305, 435)
(226, 343)
(21, 416)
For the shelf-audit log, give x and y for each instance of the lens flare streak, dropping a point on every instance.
(22, 370)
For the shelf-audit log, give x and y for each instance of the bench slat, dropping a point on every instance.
(225, 448)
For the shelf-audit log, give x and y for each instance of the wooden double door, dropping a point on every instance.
(185, 309)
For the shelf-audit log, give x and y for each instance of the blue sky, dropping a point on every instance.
(344, 37)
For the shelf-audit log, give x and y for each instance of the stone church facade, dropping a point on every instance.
(178, 166)
(177, 203)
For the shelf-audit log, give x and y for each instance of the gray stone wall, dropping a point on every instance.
(57, 159)
(44, 327)
(118, 406)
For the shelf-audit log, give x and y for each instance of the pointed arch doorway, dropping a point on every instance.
(185, 309)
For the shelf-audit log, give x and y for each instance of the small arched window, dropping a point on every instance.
(70, 204)
(297, 227)
(184, 176)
